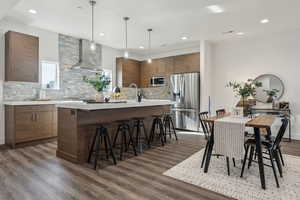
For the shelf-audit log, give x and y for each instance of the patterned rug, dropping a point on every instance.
(246, 188)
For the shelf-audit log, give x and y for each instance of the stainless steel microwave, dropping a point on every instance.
(156, 81)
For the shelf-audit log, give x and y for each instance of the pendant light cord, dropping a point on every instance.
(126, 32)
(149, 42)
(92, 3)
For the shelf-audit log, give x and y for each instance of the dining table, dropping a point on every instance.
(257, 123)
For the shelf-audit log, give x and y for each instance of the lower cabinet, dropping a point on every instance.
(29, 123)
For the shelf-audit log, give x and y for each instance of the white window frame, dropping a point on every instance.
(57, 75)
(111, 78)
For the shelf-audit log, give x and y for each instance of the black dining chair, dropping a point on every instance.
(206, 130)
(221, 112)
(206, 127)
(272, 150)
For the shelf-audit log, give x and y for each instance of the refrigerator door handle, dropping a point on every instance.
(182, 85)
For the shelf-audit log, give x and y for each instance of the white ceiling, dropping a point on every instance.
(170, 19)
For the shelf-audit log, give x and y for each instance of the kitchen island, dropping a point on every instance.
(77, 123)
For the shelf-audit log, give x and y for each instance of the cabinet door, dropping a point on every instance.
(34, 122)
(187, 63)
(24, 126)
(131, 72)
(44, 125)
(22, 57)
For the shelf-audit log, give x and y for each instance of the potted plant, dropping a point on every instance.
(271, 95)
(244, 90)
(99, 83)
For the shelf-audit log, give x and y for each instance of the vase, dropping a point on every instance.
(99, 97)
(245, 106)
(270, 99)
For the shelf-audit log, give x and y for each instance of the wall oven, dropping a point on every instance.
(157, 81)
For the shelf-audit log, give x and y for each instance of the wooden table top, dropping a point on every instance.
(261, 121)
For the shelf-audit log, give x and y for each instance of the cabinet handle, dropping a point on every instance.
(36, 116)
(32, 117)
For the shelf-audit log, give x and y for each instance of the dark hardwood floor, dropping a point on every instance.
(36, 173)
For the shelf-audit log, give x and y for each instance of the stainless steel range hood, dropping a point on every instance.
(88, 59)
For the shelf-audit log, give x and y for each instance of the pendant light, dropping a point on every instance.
(93, 45)
(149, 45)
(126, 54)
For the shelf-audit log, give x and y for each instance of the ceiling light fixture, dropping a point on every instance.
(93, 45)
(149, 45)
(101, 34)
(184, 38)
(126, 53)
(264, 21)
(240, 33)
(32, 11)
(215, 9)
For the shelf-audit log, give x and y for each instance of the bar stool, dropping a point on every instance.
(157, 125)
(124, 130)
(169, 125)
(100, 136)
(138, 128)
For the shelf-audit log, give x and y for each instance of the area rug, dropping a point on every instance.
(246, 188)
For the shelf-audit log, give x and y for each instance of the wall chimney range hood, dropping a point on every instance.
(88, 59)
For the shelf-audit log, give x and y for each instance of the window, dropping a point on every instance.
(50, 75)
(108, 73)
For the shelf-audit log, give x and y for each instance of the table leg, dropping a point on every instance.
(209, 151)
(290, 131)
(260, 157)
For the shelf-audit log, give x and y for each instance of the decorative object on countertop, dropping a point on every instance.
(117, 90)
(245, 90)
(139, 97)
(116, 96)
(100, 83)
(272, 88)
(106, 99)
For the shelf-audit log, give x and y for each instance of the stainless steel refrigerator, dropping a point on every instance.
(185, 90)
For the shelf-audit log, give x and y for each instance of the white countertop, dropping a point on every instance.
(102, 106)
(29, 103)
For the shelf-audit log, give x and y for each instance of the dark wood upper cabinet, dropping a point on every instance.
(167, 66)
(128, 71)
(21, 57)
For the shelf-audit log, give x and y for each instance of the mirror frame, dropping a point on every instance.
(283, 88)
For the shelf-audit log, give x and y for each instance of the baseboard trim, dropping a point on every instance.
(3, 147)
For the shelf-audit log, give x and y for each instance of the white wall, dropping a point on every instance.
(244, 58)
(205, 75)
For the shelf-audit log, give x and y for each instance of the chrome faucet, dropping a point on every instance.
(133, 85)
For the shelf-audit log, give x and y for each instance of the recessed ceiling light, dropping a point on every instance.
(142, 47)
(240, 33)
(32, 11)
(101, 34)
(264, 21)
(215, 9)
(228, 32)
(184, 38)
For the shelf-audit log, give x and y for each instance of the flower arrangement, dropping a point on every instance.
(99, 82)
(244, 89)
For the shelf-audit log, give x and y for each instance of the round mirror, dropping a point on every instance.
(272, 88)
